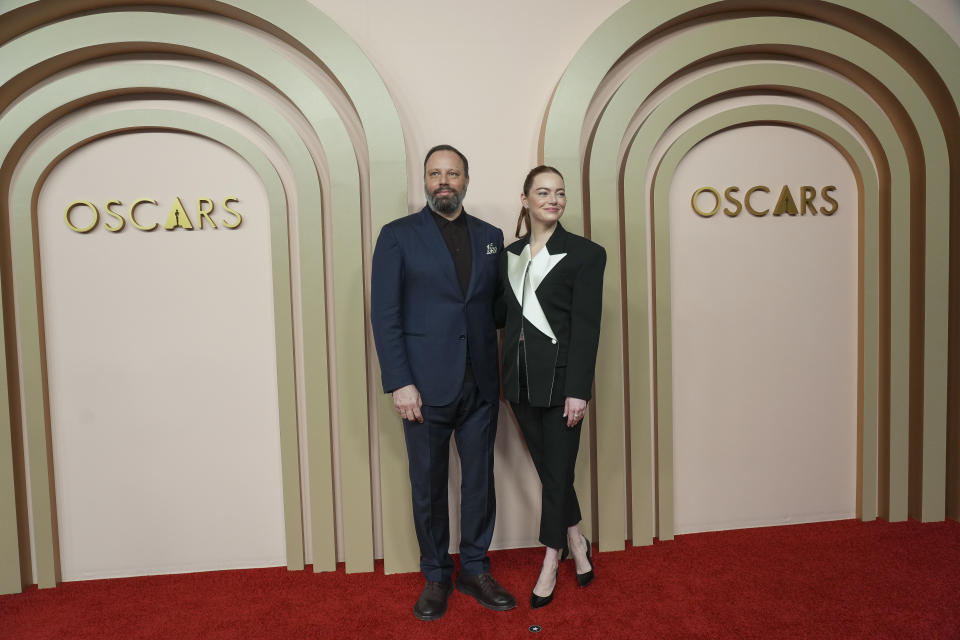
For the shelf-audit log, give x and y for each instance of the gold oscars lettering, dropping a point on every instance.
(148, 214)
(758, 202)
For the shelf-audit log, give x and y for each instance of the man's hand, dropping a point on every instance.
(407, 401)
(573, 409)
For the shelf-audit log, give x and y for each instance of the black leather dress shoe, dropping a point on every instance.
(432, 603)
(487, 591)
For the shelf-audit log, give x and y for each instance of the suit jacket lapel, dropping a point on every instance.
(478, 249)
(521, 285)
(516, 267)
(558, 241)
(438, 248)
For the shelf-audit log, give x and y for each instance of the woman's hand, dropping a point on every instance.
(573, 410)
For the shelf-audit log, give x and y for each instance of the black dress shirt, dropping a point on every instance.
(457, 237)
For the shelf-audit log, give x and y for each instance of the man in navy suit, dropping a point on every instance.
(432, 296)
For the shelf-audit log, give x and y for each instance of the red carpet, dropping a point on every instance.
(830, 580)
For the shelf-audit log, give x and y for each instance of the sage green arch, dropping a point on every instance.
(869, 202)
(23, 197)
(603, 176)
(639, 19)
(85, 33)
(118, 77)
(382, 191)
(789, 78)
(711, 40)
(86, 85)
(819, 86)
(917, 43)
(306, 27)
(384, 198)
(11, 580)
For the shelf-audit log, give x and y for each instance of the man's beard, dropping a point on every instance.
(446, 204)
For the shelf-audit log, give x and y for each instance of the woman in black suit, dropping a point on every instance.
(552, 282)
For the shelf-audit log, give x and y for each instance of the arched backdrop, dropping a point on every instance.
(887, 71)
(292, 74)
(335, 171)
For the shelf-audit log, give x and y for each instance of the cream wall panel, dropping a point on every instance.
(48, 566)
(26, 279)
(867, 184)
(765, 337)
(645, 148)
(165, 462)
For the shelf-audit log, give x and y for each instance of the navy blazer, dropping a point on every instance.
(422, 321)
(561, 327)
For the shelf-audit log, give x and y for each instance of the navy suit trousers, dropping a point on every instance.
(473, 422)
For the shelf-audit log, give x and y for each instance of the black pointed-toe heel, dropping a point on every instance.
(583, 579)
(541, 601)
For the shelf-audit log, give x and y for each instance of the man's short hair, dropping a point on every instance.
(447, 147)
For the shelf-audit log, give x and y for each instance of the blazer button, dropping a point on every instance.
(463, 337)
(553, 341)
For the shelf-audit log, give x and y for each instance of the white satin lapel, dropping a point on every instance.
(533, 312)
(516, 265)
(524, 288)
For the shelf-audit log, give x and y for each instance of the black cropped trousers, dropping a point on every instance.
(553, 446)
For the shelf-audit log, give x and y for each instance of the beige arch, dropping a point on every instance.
(383, 189)
(742, 36)
(791, 116)
(635, 200)
(121, 77)
(23, 195)
(82, 34)
(638, 20)
(384, 177)
(642, 82)
(11, 527)
(291, 479)
(754, 76)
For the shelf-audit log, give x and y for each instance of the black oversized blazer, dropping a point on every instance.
(569, 297)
